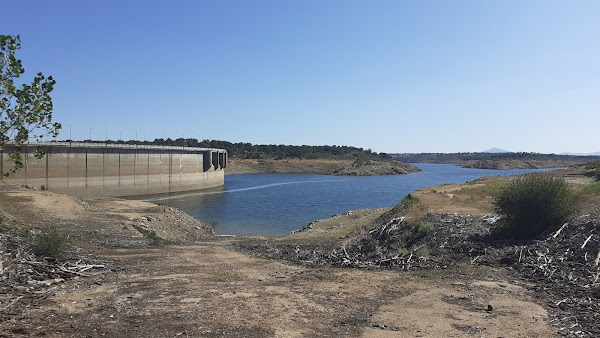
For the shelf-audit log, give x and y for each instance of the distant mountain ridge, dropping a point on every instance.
(502, 151)
(487, 160)
(582, 154)
(496, 151)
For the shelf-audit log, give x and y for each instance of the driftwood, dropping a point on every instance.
(25, 277)
(586, 241)
(562, 270)
(560, 264)
(559, 230)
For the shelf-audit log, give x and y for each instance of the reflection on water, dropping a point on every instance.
(156, 198)
(221, 190)
(267, 204)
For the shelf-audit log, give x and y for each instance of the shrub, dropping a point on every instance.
(532, 204)
(410, 200)
(421, 230)
(152, 235)
(49, 244)
(423, 251)
(399, 248)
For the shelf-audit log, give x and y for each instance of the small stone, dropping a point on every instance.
(489, 308)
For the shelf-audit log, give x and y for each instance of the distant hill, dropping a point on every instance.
(497, 160)
(583, 154)
(496, 151)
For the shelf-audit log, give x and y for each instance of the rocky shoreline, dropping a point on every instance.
(337, 167)
(507, 164)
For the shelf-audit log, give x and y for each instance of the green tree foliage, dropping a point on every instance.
(534, 203)
(25, 109)
(258, 151)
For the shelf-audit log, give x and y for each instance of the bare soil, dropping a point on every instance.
(203, 286)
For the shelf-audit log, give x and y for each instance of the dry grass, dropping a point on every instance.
(590, 197)
(476, 197)
(470, 198)
(338, 226)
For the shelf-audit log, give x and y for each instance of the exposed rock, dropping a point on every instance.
(338, 167)
(518, 164)
(373, 168)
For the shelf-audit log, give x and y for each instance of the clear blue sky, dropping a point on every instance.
(394, 76)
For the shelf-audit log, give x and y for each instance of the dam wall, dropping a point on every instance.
(98, 169)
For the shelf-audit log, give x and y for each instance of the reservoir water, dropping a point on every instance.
(272, 204)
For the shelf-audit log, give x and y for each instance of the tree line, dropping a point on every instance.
(246, 150)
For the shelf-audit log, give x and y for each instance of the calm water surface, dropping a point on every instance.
(271, 204)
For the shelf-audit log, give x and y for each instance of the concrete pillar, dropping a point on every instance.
(47, 155)
(215, 160)
(68, 168)
(170, 170)
(221, 160)
(119, 153)
(207, 161)
(25, 162)
(86, 168)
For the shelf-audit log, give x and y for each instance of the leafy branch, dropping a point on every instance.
(25, 109)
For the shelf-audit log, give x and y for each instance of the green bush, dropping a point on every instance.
(421, 230)
(152, 235)
(49, 244)
(532, 204)
(410, 200)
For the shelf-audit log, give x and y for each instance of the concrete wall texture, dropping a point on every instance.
(94, 169)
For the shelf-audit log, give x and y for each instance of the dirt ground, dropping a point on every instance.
(199, 285)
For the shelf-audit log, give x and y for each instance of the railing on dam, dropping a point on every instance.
(108, 169)
(117, 146)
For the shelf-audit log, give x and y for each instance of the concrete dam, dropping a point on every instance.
(104, 169)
